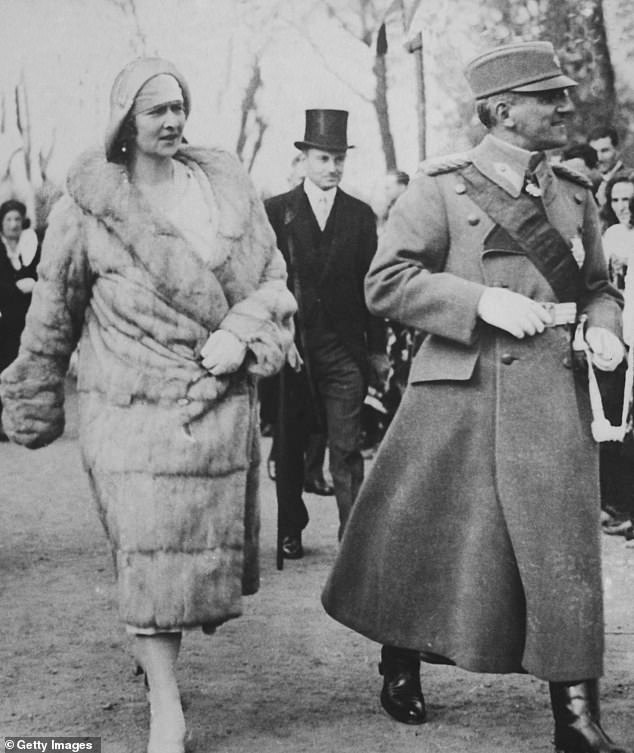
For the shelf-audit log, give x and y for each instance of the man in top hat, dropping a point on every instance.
(453, 552)
(328, 239)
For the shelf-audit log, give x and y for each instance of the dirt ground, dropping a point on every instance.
(283, 678)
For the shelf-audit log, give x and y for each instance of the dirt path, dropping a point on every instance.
(284, 678)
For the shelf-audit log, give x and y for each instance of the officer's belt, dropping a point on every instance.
(525, 220)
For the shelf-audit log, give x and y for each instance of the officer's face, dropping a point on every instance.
(325, 169)
(541, 119)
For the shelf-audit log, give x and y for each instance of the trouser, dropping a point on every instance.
(315, 456)
(340, 389)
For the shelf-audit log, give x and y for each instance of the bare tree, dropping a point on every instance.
(130, 10)
(364, 21)
(252, 122)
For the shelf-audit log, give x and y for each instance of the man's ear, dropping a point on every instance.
(503, 116)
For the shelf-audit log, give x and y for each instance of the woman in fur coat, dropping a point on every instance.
(160, 262)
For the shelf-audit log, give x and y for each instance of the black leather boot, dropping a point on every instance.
(577, 719)
(401, 695)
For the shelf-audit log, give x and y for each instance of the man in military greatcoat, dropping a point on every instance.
(328, 239)
(453, 552)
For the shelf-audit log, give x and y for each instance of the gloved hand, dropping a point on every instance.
(25, 285)
(293, 358)
(223, 353)
(512, 312)
(379, 369)
(606, 348)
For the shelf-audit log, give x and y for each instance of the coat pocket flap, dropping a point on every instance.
(441, 359)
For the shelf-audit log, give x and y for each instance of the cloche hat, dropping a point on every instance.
(127, 85)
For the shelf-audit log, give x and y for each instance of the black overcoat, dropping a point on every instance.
(346, 262)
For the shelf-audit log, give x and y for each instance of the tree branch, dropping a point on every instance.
(327, 64)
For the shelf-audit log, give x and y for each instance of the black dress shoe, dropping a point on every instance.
(319, 486)
(292, 547)
(401, 695)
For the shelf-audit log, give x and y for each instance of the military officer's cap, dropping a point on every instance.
(521, 67)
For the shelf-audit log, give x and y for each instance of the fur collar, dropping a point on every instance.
(102, 190)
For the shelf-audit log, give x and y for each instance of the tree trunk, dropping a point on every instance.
(248, 105)
(579, 36)
(619, 27)
(382, 113)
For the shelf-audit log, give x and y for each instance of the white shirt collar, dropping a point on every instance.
(315, 194)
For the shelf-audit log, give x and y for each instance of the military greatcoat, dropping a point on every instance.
(476, 534)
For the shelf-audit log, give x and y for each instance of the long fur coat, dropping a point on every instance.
(171, 451)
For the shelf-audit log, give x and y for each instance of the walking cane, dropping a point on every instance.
(279, 451)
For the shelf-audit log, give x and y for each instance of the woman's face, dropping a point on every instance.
(160, 129)
(620, 202)
(12, 225)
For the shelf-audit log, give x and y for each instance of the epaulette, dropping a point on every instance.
(567, 172)
(445, 164)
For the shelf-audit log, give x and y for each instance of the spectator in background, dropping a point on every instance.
(396, 181)
(605, 141)
(618, 236)
(583, 158)
(19, 256)
(616, 466)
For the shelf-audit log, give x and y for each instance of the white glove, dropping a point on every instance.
(223, 353)
(607, 350)
(512, 312)
(25, 285)
(293, 359)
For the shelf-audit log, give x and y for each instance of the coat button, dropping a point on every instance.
(567, 362)
(473, 219)
(508, 358)
(579, 198)
(183, 401)
(461, 188)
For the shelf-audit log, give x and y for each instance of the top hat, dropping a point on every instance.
(325, 129)
(521, 67)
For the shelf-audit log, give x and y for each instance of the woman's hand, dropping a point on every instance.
(223, 353)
